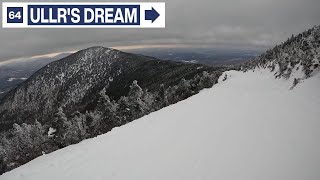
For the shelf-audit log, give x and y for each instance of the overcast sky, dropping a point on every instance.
(194, 23)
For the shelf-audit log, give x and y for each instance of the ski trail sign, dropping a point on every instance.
(83, 15)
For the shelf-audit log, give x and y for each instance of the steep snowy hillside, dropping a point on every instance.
(250, 126)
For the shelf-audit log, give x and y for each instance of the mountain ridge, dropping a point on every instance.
(298, 56)
(76, 75)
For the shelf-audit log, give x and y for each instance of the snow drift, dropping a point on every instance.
(250, 126)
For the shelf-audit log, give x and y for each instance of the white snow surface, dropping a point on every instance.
(13, 79)
(249, 127)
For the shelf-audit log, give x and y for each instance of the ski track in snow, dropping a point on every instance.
(249, 127)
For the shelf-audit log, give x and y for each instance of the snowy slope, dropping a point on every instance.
(249, 127)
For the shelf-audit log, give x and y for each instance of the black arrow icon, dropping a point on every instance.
(151, 15)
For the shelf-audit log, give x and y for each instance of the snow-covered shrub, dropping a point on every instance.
(21, 144)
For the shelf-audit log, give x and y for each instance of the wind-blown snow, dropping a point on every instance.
(249, 127)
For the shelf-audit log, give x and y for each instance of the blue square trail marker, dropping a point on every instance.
(14, 15)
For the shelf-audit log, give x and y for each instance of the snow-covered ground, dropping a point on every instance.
(13, 79)
(249, 127)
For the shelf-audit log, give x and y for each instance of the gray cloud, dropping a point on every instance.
(210, 23)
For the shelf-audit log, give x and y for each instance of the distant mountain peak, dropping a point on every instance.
(98, 48)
